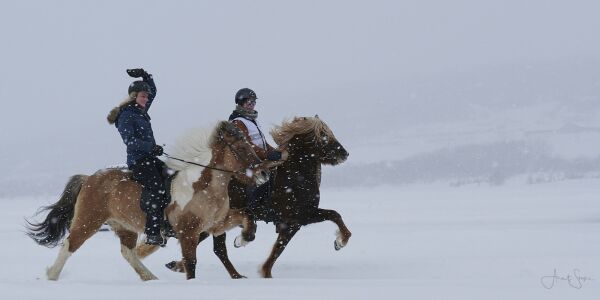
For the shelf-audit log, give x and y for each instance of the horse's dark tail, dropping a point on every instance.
(50, 231)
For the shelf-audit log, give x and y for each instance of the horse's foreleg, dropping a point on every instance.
(128, 240)
(220, 249)
(189, 229)
(285, 235)
(188, 248)
(177, 266)
(343, 235)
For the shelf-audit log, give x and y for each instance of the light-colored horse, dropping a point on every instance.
(200, 202)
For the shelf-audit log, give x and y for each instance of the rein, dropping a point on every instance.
(200, 165)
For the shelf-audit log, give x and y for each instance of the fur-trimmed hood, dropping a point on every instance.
(113, 115)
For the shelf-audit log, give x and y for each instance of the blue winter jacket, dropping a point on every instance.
(134, 126)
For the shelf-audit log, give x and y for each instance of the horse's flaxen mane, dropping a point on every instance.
(299, 126)
(194, 145)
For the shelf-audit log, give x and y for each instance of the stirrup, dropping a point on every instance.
(168, 230)
(156, 240)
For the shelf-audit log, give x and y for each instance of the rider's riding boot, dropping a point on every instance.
(251, 213)
(156, 240)
(168, 229)
(272, 216)
(280, 226)
(153, 236)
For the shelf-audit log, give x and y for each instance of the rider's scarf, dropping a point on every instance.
(247, 114)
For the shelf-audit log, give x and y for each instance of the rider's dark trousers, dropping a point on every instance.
(259, 200)
(148, 172)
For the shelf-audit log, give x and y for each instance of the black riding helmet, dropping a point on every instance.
(139, 86)
(244, 94)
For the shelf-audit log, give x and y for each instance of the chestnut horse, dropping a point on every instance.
(310, 143)
(200, 203)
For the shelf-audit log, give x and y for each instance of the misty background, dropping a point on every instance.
(466, 92)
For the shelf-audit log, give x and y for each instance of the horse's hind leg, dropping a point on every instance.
(128, 241)
(285, 235)
(144, 250)
(343, 234)
(81, 230)
(53, 272)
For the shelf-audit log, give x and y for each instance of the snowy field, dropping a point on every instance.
(473, 127)
(429, 241)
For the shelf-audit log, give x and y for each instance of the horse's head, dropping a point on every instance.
(314, 136)
(332, 151)
(239, 156)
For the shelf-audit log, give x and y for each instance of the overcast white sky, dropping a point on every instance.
(62, 63)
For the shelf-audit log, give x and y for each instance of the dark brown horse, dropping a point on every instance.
(296, 196)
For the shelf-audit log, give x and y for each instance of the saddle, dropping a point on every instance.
(168, 175)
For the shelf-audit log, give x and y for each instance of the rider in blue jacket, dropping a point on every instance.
(133, 122)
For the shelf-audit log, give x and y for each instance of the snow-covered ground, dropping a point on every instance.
(419, 241)
(474, 140)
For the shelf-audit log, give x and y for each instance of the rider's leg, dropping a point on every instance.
(167, 228)
(260, 202)
(148, 172)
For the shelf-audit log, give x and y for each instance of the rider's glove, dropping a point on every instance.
(157, 150)
(136, 73)
(274, 155)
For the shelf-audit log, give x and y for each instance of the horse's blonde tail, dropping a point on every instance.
(50, 231)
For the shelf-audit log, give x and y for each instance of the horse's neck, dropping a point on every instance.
(301, 164)
(196, 179)
(299, 158)
(216, 180)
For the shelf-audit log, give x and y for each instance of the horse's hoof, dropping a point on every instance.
(149, 277)
(51, 274)
(248, 237)
(52, 278)
(337, 245)
(239, 242)
(171, 266)
(238, 276)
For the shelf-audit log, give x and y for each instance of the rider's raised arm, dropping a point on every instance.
(150, 81)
